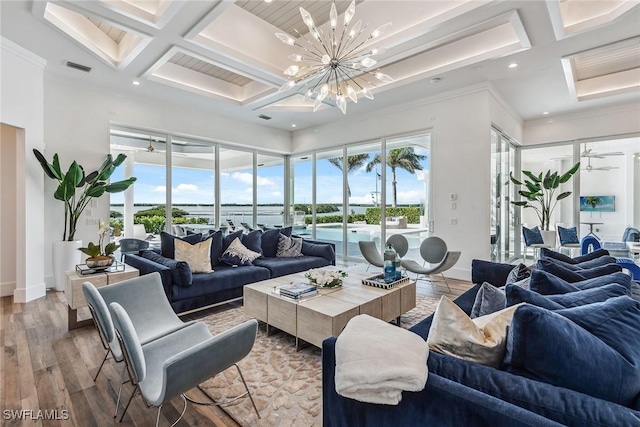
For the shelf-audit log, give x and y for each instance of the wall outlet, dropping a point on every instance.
(454, 206)
(453, 221)
(453, 196)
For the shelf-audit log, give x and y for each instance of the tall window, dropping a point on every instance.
(270, 190)
(236, 187)
(329, 207)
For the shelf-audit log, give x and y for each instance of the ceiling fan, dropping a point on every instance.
(150, 148)
(588, 152)
(590, 168)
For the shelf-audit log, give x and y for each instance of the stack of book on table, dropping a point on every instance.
(297, 290)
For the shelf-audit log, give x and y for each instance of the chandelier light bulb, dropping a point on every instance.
(380, 30)
(295, 57)
(308, 95)
(292, 70)
(315, 35)
(316, 104)
(341, 103)
(306, 18)
(333, 16)
(288, 85)
(368, 62)
(286, 39)
(378, 50)
(324, 91)
(383, 77)
(348, 15)
(367, 93)
(326, 59)
(352, 94)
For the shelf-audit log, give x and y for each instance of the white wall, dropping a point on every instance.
(8, 200)
(619, 120)
(21, 106)
(77, 122)
(461, 125)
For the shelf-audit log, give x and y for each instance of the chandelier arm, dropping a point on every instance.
(351, 52)
(327, 73)
(337, 82)
(351, 41)
(344, 28)
(348, 77)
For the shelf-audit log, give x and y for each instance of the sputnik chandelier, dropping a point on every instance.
(335, 65)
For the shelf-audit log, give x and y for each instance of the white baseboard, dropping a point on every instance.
(6, 289)
(29, 294)
(50, 282)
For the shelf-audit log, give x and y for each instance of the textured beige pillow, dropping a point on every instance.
(481, 340)
(198, 256)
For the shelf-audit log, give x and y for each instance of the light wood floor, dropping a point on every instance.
(46, 367)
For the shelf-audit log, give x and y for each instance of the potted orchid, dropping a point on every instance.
(325, 278)
(100, 255)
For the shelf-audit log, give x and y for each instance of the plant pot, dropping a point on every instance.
(549, 237)
(99, 262)
(65, 257)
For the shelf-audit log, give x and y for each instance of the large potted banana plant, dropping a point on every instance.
(540, 195)
(76, 189)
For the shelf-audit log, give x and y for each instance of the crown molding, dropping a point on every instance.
(16, 49)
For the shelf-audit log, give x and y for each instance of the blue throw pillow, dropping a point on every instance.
(253, 241)
(515, 295)
(167, 247)
(270, 239)
(591, 349)
(216, 246)
(568, 235)
(489, 299)
(230, 238)
(550, 253)
(547, 284)
(325, 251)
(593, 263)
(558, 270)
(532, 236)
(495, 273)
(180, 271)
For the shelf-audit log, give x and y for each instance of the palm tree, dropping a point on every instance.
(403, 158)
(354, 162)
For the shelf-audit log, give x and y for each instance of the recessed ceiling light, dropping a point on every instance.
(513, 65)
(136, 83)
(268, 1)
(545, 113)
(293, 126)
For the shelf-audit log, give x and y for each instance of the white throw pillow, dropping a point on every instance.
(198, 256)
(482, 340)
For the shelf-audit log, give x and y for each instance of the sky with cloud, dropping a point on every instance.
(196, 186)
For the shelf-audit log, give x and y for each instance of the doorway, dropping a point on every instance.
(8, 207)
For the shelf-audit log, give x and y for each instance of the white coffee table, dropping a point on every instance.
(319, 317)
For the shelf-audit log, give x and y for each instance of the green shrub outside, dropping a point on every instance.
(161, 211)
(156, 223)
(412, 213)
(320, 208)
(325, 219)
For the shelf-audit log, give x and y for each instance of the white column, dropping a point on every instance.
(128, 196)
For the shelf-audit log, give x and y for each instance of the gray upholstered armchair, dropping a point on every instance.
(433, 250)
(171, 365)
(136, 295)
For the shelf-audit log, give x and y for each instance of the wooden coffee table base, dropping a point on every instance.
(325, 315)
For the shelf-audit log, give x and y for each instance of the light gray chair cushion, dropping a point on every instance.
(370, 253)
(103, 318)
(400, 244)
(132, 346)
(433, 249)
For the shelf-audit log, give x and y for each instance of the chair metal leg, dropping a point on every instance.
(101, 365)
(122, 382)
(445, 282)
(248, 392)
(158, 416)
(133, 393)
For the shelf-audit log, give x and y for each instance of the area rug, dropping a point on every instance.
(286, 385)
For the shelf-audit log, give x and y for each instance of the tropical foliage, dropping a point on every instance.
(76, 189)
(398, 158)
(540, 192)
(354, 162)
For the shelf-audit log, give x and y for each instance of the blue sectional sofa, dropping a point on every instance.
(226, 282)
(463, 393)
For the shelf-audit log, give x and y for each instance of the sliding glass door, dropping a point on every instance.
(503, 239)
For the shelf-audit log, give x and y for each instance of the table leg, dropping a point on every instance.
(72, 319)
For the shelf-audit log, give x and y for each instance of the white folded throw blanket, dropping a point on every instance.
(376, 361)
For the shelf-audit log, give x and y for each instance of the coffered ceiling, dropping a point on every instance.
(223, 56)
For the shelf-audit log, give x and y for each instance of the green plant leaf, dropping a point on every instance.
(119, 159)
(83, 179)
(92, 250)
(521, 203)
(97, 190)
(568, 174)
(515, 181)
(117, 187)
(563, 195)
(56, 166)
(91, 178)
(111, 248)
(532, 177)
(75, 174)
(48, 169)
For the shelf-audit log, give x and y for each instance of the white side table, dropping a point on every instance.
(75, 296)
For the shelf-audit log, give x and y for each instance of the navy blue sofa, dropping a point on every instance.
(226, 282)
(462, 393)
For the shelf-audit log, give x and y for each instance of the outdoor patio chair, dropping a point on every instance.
(246, 227)
(131, 246)
(232, 226)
